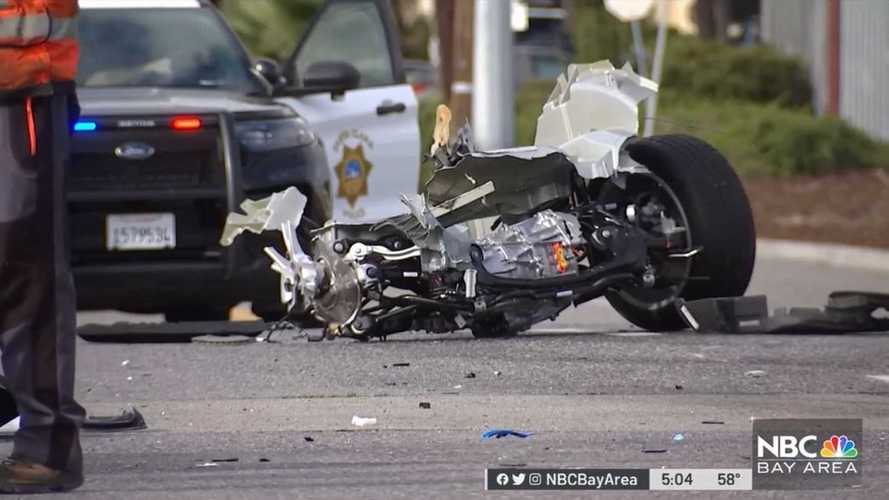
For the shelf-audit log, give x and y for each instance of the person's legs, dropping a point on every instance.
(37, 307)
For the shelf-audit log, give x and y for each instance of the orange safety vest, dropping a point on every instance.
(38, 43)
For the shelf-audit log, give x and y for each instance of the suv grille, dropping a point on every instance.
(186, 176)
(180, 160)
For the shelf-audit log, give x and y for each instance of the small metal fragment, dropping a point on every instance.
(470, 278)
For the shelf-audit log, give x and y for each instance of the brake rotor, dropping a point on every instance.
(341, 301)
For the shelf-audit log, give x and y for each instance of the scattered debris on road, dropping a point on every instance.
(425, 405)
(470, 375)
(678, 387)
(363, 421)
(712, 422)
(125, 362)
(308, 439)
(755, 373)
(264, 460)
(223, 339)
(129, 420)
(136, 333)
(207, 464)
(224, 460)
(501, 433)
(678, 437)
(400, 365)
(654, 450)
(845, 312)
(280, 326)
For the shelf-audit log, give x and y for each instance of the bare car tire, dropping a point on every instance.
(719, 221)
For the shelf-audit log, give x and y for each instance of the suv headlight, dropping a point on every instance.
(268, 135)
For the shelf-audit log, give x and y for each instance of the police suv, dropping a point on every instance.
(179, 126)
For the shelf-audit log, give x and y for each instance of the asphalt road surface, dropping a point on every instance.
(593, 390)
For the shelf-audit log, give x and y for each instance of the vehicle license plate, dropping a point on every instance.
(141, 231)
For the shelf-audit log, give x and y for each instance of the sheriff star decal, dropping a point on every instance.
(352, 172)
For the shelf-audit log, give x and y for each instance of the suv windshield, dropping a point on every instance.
(161, 48)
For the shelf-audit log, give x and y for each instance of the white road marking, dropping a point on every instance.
(881, 378)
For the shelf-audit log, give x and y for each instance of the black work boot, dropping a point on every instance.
(22, 476)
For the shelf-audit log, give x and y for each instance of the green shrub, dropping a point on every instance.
(799, 144)
(706, 69)
(767, 139)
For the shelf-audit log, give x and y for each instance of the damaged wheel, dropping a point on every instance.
(695, 191)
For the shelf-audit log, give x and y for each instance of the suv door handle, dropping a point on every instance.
(388, 107)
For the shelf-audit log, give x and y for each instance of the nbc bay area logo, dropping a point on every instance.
(806, 453)
(838, 447)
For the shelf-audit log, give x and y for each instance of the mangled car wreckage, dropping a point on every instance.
(501, 240)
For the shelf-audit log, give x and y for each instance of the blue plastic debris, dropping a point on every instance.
(499, 433)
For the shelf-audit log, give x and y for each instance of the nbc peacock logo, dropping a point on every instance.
(838, 447)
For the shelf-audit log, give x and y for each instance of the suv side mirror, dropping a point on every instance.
(335, 77)
(270, 71)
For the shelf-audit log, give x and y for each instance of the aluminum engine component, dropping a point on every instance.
(594, 96)
(359, 251)
(537, 247)
(300, 276)
(341, 299)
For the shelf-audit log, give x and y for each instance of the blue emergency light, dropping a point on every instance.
(83, 126)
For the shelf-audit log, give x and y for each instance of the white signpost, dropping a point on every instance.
(629, 10)
(632, 11)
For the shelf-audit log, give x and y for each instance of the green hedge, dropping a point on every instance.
(711, 70)
(768, 139)
(706, 69)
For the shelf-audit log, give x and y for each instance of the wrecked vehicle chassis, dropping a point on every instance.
(501, 240)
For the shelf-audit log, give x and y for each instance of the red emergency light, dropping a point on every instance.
(185, 123)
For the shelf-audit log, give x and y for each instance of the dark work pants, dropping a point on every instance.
(37, 301)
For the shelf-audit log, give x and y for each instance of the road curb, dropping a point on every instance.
(873, 259)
